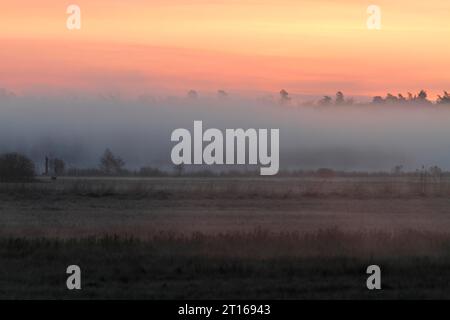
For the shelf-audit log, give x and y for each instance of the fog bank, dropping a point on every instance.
(78, 129)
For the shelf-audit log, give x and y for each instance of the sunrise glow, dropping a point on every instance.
(168, 47)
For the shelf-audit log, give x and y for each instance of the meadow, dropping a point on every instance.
(241, 238)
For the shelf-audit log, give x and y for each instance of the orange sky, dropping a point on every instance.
(171, 46)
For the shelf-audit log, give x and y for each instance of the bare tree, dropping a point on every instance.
(110, 164)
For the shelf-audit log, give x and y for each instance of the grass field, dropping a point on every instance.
(284, 238)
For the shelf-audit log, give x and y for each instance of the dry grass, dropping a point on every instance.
(210, 188)
(255, 265)
(225, 238)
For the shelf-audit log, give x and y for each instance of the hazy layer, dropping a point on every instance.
(349, 138)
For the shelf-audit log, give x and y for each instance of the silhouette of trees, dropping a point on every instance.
(110, 164)
(445, 99)
(16, 167)
(420, 99)
(340, 99)
(378, 100)
(325, 101)
(284, 97)
(422, 96)
(391, 99)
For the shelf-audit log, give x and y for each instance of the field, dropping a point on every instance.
(243, 238)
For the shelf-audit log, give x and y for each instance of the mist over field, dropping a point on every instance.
(78, 129)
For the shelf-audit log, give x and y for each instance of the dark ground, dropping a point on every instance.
(224, 239)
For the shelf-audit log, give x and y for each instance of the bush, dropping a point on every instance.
(16, 167)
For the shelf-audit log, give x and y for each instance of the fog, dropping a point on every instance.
(78, 129)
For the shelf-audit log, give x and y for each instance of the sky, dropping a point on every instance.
(167, 47)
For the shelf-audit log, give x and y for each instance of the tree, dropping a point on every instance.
(378, 100)
(325, 101)
(110, 164)
(284, 96)
(16, 167)
(401, 98)
(445, 99)
(390, 98)
(422, 98)
(340, 99)
(422, 95)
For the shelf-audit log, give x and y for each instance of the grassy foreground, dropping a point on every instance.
(250, 265)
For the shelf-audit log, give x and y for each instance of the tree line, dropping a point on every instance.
(420, 98)
(16, 167)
